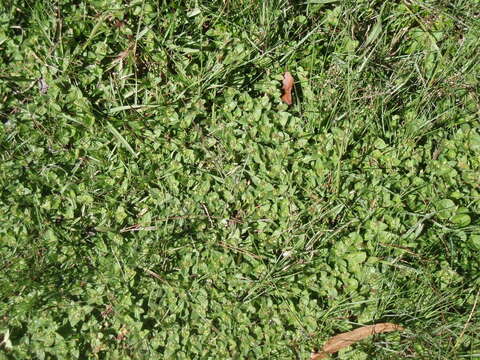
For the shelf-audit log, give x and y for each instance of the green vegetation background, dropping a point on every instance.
(159, 201)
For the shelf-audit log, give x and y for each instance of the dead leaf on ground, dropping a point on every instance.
(42, 86)
(122, 55)
(343, 340)
(118, 23)
(287, 85)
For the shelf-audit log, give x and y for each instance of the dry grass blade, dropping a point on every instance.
(346, 339)
(287, 85)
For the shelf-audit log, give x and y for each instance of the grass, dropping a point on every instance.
(159, 201)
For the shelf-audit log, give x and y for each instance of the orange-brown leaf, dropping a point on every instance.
(343, 340)
(287, 85)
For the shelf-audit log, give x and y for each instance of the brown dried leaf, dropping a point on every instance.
(42, 86)
(118, 23)
(343, 340)
(122, 55)
(287, 85)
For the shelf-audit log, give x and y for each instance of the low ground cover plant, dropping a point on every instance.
(159, 199)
